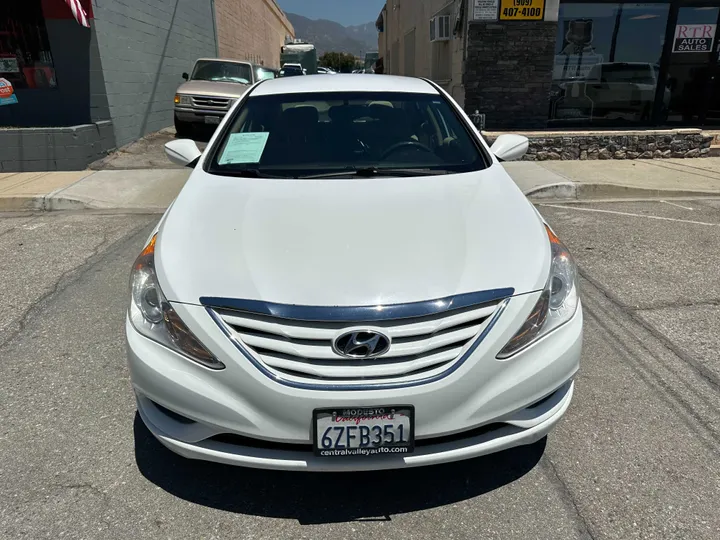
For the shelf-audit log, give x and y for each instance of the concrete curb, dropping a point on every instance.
(592, 191)
(20, 203)
(562, 191)
(58, 203)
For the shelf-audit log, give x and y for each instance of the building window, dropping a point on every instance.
(25, 58)
(607, 63)
(441, 61)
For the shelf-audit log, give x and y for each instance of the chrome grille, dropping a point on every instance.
(302, 350)
(211, 102)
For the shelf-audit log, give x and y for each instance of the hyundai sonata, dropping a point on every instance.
(350, 280)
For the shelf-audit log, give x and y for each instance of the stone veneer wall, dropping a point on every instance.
(680, 143)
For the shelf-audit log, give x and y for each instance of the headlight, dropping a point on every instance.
(182, 100)
(557, 304)
(153, 316)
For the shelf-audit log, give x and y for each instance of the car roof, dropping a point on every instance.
(344, 83)
(223, 60)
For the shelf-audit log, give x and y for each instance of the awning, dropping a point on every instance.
(78, 12)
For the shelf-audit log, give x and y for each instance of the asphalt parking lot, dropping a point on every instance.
(635, 457)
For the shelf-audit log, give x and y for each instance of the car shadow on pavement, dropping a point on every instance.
(315, 498)
(201, 134)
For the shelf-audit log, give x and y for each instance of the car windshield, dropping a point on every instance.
(329, 134)
(211, 70)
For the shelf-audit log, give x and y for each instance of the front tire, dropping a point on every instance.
(184, 130)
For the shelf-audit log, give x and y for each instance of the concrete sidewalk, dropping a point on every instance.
(587, 180)
(152, 190)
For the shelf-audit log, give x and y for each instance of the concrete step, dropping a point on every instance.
(714, 150)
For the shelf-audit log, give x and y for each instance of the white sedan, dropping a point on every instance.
(349, 280)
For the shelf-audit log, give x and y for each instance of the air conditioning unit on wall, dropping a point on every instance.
(440, 28)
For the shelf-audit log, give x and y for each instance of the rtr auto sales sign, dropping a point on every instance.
(694, 38)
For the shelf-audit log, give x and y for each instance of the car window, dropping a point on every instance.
(211, 70)
(264, 73)
(627, 73)
(311, 134)
(290, 71)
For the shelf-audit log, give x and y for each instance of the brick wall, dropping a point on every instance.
(508, 72)
(144, 47)
(252, 30)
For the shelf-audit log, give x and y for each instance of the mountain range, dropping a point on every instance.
(329, 36)
(346, 12)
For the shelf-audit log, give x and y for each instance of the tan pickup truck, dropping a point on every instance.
(212, 88)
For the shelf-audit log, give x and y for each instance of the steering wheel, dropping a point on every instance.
(414, 144)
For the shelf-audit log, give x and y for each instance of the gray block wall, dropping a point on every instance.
(54, 148)
(508, 72)
(144, 47)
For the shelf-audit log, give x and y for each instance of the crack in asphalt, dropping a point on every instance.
(16, 227)
(651, 376)
(704, 373)
(673, 305)
(67, 278)
(86, 486)
(566, 495)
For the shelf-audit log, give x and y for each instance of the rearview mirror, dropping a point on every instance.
(185, 76)
(183, 152)
(510, 147)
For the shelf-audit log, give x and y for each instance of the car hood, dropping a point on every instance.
(214, 89)
(350, 242)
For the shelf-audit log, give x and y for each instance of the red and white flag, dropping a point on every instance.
(78, 12)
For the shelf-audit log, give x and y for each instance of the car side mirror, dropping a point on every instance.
(186, 76)
(183, 152)
(510, 147)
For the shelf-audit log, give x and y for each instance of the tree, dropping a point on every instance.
(341, 62)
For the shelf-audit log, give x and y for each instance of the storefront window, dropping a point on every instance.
(25, 58)
(607, 59)
(693, 82)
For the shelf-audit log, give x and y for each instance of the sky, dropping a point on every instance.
(346, 12)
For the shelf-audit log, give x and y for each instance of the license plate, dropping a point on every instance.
(212, 119)
(364, 431)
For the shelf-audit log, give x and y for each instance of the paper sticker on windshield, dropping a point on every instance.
(244, 148)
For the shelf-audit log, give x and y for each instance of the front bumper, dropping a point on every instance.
(197, 116)
(477, 443)
(239, 416)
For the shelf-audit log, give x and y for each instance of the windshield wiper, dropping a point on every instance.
(248, 173)
(369, 172)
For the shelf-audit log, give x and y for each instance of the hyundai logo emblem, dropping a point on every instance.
(361, 344)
